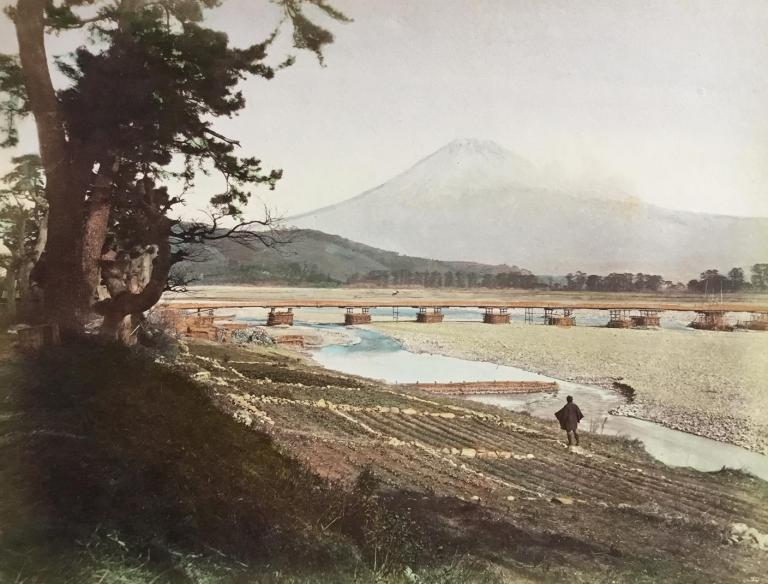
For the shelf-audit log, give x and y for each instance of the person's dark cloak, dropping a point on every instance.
(569, 417)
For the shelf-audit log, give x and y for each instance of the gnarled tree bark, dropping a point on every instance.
(62, 280)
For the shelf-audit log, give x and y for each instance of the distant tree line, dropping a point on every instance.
(309, 274)
(710, 281)
(616, 282)
(449, 279)
(287, 274)
(713, 282)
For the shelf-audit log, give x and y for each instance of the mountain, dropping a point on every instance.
(473, 200)
(312, 257)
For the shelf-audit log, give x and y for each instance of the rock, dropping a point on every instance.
(395, 442)
(394, 410)
(739, 528)
(244, 417)
(468, 452)
(409, 412)
(455, 451)
(447, 415)
(491, 454)
(475, 498)
(753, 534)
(321, 403)
(510, 498)
(530, 456)
(563, 500)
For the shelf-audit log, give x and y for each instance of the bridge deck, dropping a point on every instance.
(412, 303)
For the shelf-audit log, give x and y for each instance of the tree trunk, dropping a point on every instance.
(10, 291)
(42, 238)
(94, 236)
(31, 296)
(14, 273)
(117, 328)
(134, 288)
(62, 279)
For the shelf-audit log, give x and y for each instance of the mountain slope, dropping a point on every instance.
(312, 255)
(473, 200)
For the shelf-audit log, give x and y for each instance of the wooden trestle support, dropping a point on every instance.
(553, 317)
(492, 317)
(622, 318)
(619, 319)
(647, 318)
(711, 320)
(351, 317)
(275, 317)
(758, 321)
(530, 315)
(429, 317)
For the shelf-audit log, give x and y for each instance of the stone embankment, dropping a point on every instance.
(486, 387)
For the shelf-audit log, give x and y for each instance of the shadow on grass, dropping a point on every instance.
(107, 459)
(103, 440)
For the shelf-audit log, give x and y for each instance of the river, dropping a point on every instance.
(380, 357)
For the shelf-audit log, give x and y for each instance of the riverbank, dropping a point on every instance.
(494, 485)
(219, 463)
(713, 384)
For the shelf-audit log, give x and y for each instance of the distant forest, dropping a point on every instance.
(710, 281)
(295, 273)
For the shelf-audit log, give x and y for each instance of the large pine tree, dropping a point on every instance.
(136, 117)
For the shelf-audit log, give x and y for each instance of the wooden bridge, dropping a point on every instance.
(472, 303)
(622, 314)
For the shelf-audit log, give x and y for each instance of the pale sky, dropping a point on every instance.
(668, 98)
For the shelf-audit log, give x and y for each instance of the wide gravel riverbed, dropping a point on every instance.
(714, 384)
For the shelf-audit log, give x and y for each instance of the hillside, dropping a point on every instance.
(230, 465)
(316, 257)
(473, 200)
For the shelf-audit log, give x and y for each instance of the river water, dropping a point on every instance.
(380, 357)
(669, 320)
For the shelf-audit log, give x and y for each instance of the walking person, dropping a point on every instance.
(569, 417)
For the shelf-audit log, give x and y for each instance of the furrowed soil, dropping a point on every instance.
(710, 383)
(225, 464)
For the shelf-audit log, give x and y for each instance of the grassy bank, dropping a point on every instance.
(232, 465)
(116, 469)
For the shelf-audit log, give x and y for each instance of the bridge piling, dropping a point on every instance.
(276, 317)
(711, 320)
(554, 318)
(491, 317)
(352, 318)
(426, 317)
